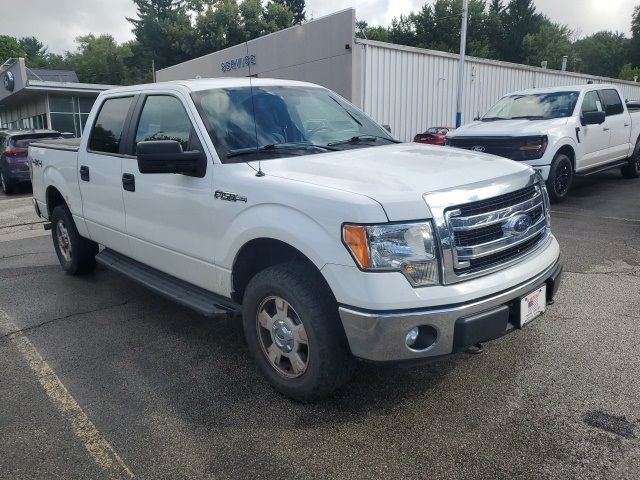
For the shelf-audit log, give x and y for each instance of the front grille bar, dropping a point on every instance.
(504, 243)
(486, 219)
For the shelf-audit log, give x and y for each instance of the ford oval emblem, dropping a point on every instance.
(517, 224)
(479, 148)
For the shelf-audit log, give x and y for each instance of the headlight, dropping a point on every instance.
(531, 148)
(408, 248)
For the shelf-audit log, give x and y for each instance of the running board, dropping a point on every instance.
(202, 301)
(602, 168)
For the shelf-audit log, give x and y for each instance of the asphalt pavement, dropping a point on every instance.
(99, 378)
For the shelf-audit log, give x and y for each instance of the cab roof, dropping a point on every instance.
(199, 84)
(566, 88)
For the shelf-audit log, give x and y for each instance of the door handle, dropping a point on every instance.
(84, 173)
(605, 129)
(129, 182)
(627, 124)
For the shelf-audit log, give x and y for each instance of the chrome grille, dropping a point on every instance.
(484, 234)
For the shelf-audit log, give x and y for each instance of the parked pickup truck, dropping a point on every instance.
(281, 202)
(561, 132)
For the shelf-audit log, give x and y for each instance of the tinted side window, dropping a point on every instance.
(612, 102)
(107, 131)
(592, 103)
(164, 118)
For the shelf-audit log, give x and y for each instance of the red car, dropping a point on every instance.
(433, 135)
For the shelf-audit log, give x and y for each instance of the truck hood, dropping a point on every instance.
(503, 128)
(397, 176)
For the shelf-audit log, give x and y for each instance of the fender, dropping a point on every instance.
(320, 243)
(52, 177)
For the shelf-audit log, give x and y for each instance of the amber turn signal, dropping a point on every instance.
(355, 237)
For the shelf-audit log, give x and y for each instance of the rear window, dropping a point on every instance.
(107, 130)
(612, 102)
(24, 142)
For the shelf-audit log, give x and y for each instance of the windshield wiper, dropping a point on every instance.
(278, 148)
(528, 117)
(362, 138)
(492, 119)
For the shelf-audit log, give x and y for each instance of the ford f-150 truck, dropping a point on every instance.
(282, 203)
(561, 132)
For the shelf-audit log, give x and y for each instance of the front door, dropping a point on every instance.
(594, 138)
(100, 173)
(169, 215)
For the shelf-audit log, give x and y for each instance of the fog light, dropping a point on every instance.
(412, 337)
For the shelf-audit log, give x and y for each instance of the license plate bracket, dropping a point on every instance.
(533, 305)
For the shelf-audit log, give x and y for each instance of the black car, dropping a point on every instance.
(14, 145)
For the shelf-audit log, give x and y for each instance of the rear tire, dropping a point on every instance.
(632, 170)
(4, 185)
(77, 255)
(560, 178)
(293, 330)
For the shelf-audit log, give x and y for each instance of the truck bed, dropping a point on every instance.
(71, 144)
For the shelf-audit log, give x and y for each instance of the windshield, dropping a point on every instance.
(533, 106)
(305, 120)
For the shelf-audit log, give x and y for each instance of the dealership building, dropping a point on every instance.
(35, 98)
(409, 89)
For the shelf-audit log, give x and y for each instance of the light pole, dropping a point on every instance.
(463, 50)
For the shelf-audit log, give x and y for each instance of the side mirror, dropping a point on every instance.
(387, 128)
(593, 118)
(166, 156)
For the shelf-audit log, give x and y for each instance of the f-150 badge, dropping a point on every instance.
(229, 196)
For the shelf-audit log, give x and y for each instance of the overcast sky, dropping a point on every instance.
(58, 22)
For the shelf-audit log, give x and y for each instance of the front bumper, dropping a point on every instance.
(380, 336)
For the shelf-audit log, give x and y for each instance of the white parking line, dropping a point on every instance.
(94, 443)
(591, 215)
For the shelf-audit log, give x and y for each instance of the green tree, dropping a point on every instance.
(550, 43)
(603, 53)
(277, 16)
(163, 31)
(35, 52)
(519, 19)
(403, 31)
(629, 72)
(9, 48)
(495, 30)
(364, 30)
(100, 60)
(296, 7)
(218, 27)
(253, 22)
(634, 44)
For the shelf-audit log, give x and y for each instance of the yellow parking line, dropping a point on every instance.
(94, 443)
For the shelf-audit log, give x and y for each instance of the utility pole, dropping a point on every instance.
(463, 51)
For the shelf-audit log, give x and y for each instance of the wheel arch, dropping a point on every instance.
(261, 253)
(569, 151)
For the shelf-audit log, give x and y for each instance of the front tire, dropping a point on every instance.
(560, 178)
(293, 330)
(632, 169)
(77, 255)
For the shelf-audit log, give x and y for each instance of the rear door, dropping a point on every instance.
(595, 138)
(169, 219)
(619, 122)
(100, 174)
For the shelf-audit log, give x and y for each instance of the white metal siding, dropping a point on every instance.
(412, 89)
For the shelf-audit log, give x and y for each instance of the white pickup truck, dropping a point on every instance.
(281, 202)
(561, 132)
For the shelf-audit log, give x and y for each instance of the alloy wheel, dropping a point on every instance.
(282, 336)
(64, 241)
